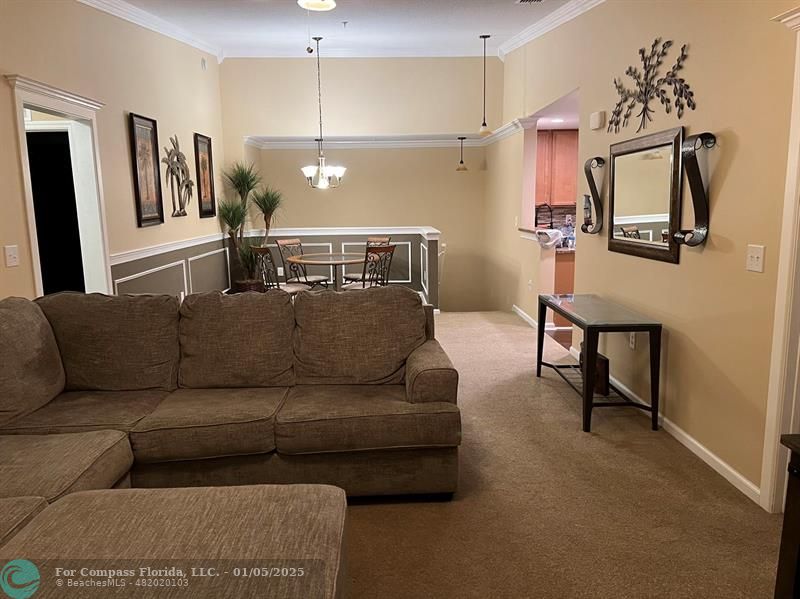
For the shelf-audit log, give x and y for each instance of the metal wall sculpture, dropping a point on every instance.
(698, 185)
(591, 203)
(180, 181)
(649, 86)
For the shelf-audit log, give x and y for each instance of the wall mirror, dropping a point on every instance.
(645, 195)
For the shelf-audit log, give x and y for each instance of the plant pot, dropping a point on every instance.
(248, 285)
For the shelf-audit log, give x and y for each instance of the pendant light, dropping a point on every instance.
(317, 5)
(461, 166)
(484, 130)
(320, 175)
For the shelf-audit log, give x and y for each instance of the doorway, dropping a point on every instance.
(63, 190)
(55, 211)
(551, 170)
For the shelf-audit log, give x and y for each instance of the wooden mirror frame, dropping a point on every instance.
(671, 253)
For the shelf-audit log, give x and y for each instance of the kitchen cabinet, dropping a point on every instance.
(557, 167)
(564, 279)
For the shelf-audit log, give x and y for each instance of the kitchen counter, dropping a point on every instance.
(565, 250)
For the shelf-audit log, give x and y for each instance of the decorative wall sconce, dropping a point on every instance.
(698, 186)
(591, 204)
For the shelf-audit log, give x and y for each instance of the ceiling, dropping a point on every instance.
(280, 28)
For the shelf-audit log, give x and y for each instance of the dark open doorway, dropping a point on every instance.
(55, 211)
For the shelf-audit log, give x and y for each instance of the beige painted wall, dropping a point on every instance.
(718, 317)
(395, 187)
(376, 96)
(69, 45)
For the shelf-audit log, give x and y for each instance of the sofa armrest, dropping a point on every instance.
(430, 375)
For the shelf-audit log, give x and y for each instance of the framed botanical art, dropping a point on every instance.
(146, 171)
(205, 175)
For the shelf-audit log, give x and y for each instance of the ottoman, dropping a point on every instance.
(281, 541)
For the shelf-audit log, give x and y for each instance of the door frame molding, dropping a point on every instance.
(784, 384)
(40, 95)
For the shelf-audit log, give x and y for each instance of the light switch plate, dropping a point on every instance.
(755, 258)
(12, 255)
(280, 271)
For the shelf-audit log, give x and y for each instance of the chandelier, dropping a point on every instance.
(321, 175)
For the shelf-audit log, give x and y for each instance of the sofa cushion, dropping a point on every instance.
(53, 465)
(115, 343)
(15, 513)
(81, 411)
(241, 340)
(31, 373)
(261, 526)
(356, 338)
(325, 418)
(208, 423)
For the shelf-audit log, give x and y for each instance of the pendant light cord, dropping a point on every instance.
(484, 82)
(319, 95)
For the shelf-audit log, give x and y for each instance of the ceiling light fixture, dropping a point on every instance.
(317, 5)
(484, 130)
(461, 166)
(321, 176)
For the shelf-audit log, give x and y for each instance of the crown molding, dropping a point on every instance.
(390, 142)
(243, 52)
(132, 14)
(791, 18)
(18, 82)
(380, 142)
(564, 14)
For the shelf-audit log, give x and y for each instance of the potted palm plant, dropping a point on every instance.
(243, 179)
(268, 201)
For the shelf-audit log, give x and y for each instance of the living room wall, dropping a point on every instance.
(717, 316)
(74, 47)
(396, 187)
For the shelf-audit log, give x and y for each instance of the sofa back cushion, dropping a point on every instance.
(356, 337)
(241, 340)
(31, 373)
(115, 343)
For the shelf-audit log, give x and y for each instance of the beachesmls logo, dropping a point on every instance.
(19, 579)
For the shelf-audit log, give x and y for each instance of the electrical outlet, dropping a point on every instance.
(632, 340)
(12, 255)
(530, 285)
(755, 258)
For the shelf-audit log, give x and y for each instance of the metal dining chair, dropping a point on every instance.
(631, 232)
(296, 273)
(269, 273)
(371, 242)
(377, 265)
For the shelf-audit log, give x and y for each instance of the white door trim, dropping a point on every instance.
(783, 374)
(40, 95)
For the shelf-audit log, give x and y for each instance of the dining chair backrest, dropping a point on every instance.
(631, 232)
(266, 267)
(288, 248)
(377, 264)
(374, 241)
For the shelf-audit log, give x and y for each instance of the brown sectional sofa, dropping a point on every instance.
(348, 389)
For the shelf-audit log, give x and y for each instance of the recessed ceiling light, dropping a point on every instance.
(318, 5)
(556, 120)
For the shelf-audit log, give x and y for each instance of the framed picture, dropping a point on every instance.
(146, 171)
(205, 175)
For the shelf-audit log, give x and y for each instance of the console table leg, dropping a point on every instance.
(589, 369)
(540, 337)
(655, 369)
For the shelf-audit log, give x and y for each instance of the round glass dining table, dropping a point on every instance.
(334, 259)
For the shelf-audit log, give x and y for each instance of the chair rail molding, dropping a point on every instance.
(784, 382)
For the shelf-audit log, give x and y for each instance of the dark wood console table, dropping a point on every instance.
(594, 315)
(787, 583)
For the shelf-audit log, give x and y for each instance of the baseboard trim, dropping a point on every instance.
(750, 490)
(532, 321)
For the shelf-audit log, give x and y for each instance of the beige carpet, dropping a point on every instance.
(545, 510)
